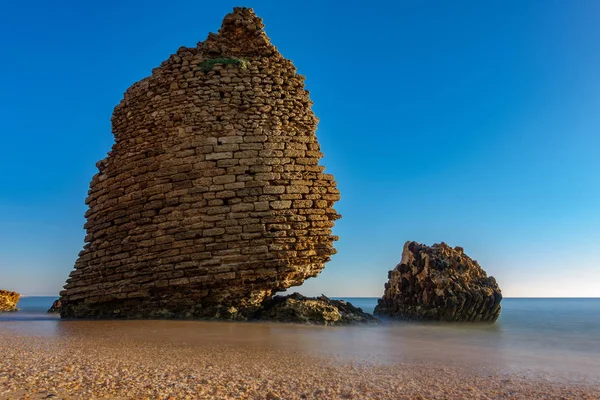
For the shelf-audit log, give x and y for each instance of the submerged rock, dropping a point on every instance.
(439, 283)
(212, 198)
(321, 310)
(9, 301)
(56, 307)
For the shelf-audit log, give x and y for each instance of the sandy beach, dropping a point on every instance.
(212, 360)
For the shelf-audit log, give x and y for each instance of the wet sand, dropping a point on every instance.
(212, 360)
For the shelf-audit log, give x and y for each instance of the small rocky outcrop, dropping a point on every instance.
(9, 301)
(56, 307)
(308, 310)
(439, 283)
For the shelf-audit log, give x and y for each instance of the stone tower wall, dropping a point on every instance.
(212, 197)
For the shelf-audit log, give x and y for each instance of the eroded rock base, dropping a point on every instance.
(183, 305)
(321, 310)
(293, 308)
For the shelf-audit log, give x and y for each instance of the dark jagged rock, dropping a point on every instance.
(9, 301)
(307, 310)
(439, 283)
(56, 307)
(212, 197)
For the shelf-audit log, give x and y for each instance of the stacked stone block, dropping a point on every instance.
(212, 197)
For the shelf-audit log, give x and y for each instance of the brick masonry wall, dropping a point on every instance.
(212, 197)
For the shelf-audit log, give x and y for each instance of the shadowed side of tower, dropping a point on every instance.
(212, 197)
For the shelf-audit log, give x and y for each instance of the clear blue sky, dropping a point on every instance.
(471, 122)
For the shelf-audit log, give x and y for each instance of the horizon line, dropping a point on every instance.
(376, 297)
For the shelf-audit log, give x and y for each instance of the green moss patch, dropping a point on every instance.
(207, 65)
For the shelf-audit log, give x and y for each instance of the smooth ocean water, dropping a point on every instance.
(552, 335)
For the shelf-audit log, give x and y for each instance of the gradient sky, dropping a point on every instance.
(476, 123)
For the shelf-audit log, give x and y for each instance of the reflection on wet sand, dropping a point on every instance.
(386, 344)
(211, 360)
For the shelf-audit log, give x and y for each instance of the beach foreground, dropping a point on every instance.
(204, 360)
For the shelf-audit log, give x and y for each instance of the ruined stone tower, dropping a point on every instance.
(212, 197)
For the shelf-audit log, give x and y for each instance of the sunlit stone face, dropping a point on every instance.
(212, 197)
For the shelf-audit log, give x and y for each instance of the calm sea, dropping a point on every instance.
(531, 334)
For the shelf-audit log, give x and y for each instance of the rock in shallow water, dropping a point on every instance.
(56, 307)
(439, 283)
(9, 301)
(321, 310)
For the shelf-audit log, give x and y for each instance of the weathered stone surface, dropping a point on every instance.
(321, 310)
(212, 196)
(56, 307)
(9, 301)
(439, 283)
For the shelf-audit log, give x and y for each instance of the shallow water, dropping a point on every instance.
(556, 336)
